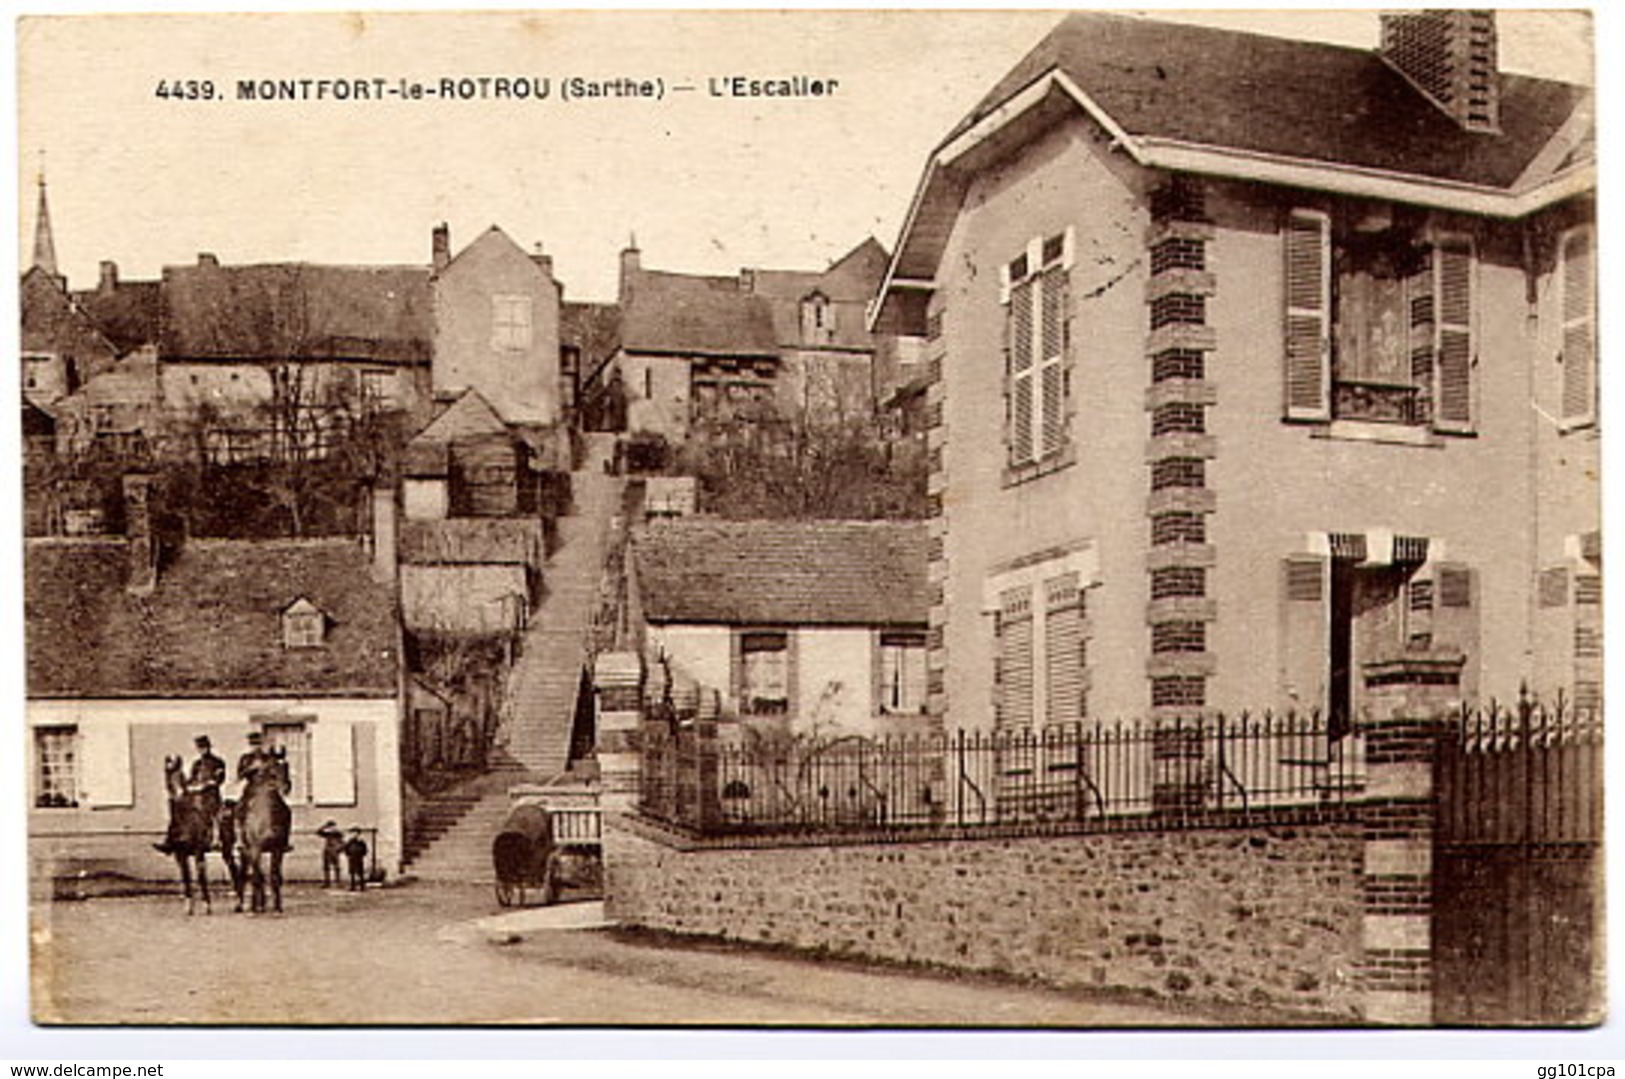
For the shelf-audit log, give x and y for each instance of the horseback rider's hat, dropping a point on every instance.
(201, 741)
(255, 738)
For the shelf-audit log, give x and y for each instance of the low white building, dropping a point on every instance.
(818, 625)
(131, 656)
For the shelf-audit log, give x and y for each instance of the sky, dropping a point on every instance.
(705, 184)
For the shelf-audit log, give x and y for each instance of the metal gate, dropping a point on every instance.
(1517, 868)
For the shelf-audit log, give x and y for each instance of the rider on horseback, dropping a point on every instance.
(207, 774)
(249, 766)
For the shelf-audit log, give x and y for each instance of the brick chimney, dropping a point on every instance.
(142, 544)
(1450, 56)
(108, 281)
(440, 246)
(631, 264)
(385, 532)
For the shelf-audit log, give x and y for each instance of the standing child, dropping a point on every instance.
(332, 846)
(355, 852)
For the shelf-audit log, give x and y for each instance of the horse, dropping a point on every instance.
(190, 832)
(264, 824)
(227, 826)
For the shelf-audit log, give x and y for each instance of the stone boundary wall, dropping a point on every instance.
(1266, 914)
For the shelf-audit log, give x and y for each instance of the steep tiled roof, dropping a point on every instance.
(297, 311)
(213, 625)
(1294, 98)
(849, 284)
(783, 572)
(129, 313)
(685, 314)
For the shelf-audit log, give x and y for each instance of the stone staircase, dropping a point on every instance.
(456, 827)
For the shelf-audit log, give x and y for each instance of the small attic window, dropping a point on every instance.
(304, 625)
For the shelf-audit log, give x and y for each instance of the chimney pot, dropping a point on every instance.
(440, 245)
(109, 275)
(206, 258)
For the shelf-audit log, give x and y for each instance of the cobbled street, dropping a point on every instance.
(411, 955)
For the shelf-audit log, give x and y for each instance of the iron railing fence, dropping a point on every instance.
(1521, 772)
(1069, 774)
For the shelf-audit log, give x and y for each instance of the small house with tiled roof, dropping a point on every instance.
(816, 625)
(1239, 346)
(135, 647)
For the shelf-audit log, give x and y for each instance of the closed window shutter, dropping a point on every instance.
(1015, 691)
(1053, 352)
(332, 763)
(1023, 373)
(1579, 331)
(1587, 641)
(1304, 646)
(1422, 305)
(1453, 367)
(1308, 308)
(1066, 658)
(1455, 618)
(105, 751)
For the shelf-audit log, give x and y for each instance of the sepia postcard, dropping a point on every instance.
(883, 519)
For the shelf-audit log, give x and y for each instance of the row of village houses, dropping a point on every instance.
(1255, 372)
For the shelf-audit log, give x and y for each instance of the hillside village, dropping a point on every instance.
(1204, 474)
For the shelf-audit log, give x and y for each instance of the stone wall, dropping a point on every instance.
(1267, 915)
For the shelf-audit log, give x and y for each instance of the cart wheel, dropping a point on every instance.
(505, 893)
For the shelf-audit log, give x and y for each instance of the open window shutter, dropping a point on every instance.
(1308, 310)
(332, 763)
(1422, 306)
(1453, 292)
(1023, 373)
(1053, 344)
(1579, 355)
(108, 779)
(1305, 632)
(1455, 618)
(1015, 690)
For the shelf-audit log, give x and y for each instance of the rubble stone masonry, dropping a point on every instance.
(1267, 915)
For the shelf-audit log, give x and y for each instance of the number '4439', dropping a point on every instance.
(185, 89)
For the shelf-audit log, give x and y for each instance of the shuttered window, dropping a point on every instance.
(1579, 356)
(1308, 311)
(1588, 628)
(1066, 655)
(1453, 329)
(1036, 343)
(1014, 704)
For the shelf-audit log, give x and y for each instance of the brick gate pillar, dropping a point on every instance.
(617, 678)
(1408, 699)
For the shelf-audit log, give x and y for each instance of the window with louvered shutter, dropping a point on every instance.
(1023, 373)
(1455, 618)
(1015, 631)
(1066, 658)
(1579, 330)
(1034, 290)
(1052, 373)
(1453, 334)
(1304, 627)
(1308, 307)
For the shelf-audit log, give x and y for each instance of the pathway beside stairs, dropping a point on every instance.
(539, 701)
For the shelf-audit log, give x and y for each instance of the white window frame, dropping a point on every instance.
(1035, 452)
(511, 322)
(293, 734)
(902, 673)
(749, 676)
(55, 776)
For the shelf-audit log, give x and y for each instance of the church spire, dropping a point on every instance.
(44, 245)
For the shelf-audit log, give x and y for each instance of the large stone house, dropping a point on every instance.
(1259, 368)
(136, 646)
